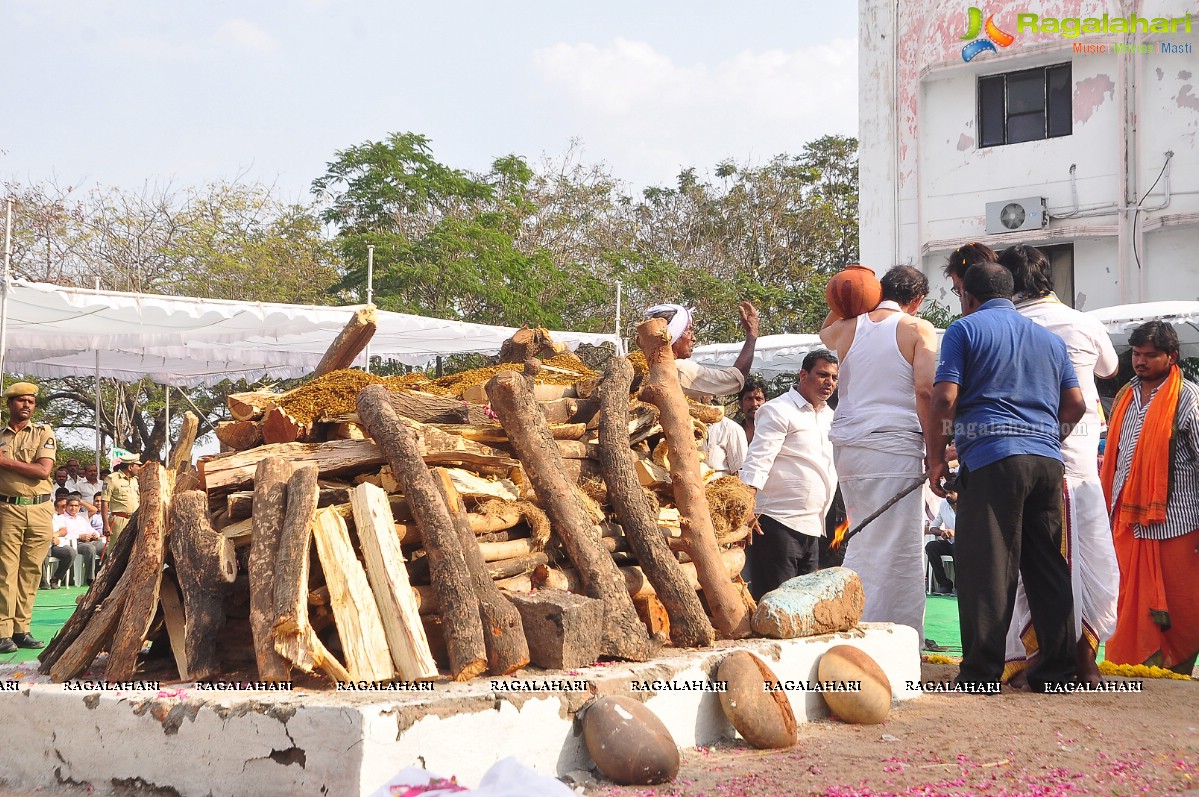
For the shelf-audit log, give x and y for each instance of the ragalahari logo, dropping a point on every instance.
(994, 35)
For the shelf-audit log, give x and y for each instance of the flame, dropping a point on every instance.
(839, 534)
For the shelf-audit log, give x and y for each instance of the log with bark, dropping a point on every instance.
(730, 613)
(239, 435)
(270, 506)
(145, 569)
(181, 452)
(503, 634)
(635, 580)
(205, 567)
(295, 633)
(349, 343)
(689, 626)
(451, 579)
(511, 398)
(226, 472)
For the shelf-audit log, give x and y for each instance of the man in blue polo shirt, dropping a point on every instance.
(1007, 389)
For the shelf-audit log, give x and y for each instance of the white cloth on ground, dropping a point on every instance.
(888, 554)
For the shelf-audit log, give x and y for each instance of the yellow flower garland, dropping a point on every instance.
(938, 659)
(1139, 671)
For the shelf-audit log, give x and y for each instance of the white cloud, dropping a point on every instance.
(243, 33)
(648, 115)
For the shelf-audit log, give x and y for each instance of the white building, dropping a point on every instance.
(1101, 130)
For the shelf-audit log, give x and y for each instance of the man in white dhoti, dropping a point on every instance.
(700, 382)
(888, 360)
(1094, 573)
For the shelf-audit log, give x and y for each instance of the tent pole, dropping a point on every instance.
(370, 292)
(5, 287)
(99, 440)
(619, 287)
(168, 435)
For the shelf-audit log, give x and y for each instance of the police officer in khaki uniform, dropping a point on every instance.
(27, 452)
(120, 497)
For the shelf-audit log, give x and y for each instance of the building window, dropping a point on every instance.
(1028, 105)
(1061, 261)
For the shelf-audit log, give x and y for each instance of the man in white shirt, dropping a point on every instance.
(1094, 572)
(789, 467)
(700, 382)
(942, 526)
(90, 486)
(724, 448)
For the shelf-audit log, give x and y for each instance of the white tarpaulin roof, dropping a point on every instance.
(55, 331)
(1123, 318)
(773, 354)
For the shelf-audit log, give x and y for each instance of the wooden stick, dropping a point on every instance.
(689, 626)
(145, 568)
(295, 637)
(451, 578)
(389, 580)
(635, 580)
(625, 636)
(730, 613)
(181, 453)
(270, 504)
(503, 632)
(79, 655)
(172, 614)
(358, 622)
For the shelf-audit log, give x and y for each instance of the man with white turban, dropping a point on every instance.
(702, 381)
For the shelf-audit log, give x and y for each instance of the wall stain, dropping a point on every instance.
(1187, 99)
(1089, 94)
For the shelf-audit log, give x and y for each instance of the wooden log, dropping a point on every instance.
(564, 630)
(635, 580)
(503, 634)
(511, 399)
(389, 581)
(359, 625)
(239, 435)
(251, 405)
(494, 434)
(497, 551)
(181, 452)
(204, 566)
(526, 343)
(653, 613)
(295, 631)
(451, 578)
(270, 505)
(516, 566)
(427, 408)
(94, 637)
(346, 430)
(173, 618)
(278, 426)
(230, 471)
(145, 568)
(689, 625)
(349, 343)
(730, 614)
(116, 559)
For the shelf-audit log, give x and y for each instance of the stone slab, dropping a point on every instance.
(203, 743)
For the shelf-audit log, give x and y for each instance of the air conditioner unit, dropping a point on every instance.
(1015, 215)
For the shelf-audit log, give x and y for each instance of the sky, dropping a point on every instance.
(100, 92)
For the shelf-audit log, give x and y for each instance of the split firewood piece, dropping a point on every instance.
(80, 654)
(346, 430)
(389, 581)
(503, 634)
(172, 615)
(145, 567)
(511, 398)
(495, 434)
(251, 405)
(204, 566)
(239, 435)
(689, 625)
(115, 564)
(516, 566)
(295, 633)
(230, 471)
(279, 426)
(181, 452)
(730, 614)
(463, 630)
(270, 505)
(359, 625)
(349, 343)
(427, 408)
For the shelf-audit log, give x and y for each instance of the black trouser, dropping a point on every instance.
(1010, 521)
(779, 553)
(65, 555)
(935, 549)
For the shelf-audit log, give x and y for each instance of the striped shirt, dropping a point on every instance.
(1182, 504)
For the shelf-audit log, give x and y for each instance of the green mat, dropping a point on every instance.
(51, 609)
(941, 624)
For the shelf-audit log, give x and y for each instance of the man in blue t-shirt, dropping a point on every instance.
(1007, 390)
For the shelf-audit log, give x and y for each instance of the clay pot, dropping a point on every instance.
(764, 719)
(852, 291)
(628, 742)
(847, 664)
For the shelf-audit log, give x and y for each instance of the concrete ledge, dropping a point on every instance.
(201, 743)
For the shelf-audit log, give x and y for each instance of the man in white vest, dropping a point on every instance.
(888, 361)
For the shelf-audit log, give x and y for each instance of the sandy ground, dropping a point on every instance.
(1009, 745)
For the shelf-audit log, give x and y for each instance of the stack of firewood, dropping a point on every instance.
(370, 529)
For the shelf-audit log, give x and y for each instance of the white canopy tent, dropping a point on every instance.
(183, 341)
(1123, 319)
(774, 355)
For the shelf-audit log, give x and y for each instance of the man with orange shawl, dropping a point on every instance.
(1151, 480)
